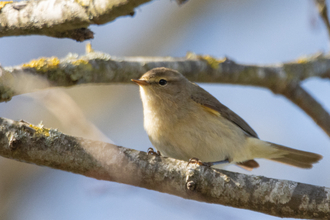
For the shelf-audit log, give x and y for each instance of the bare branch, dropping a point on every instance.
(102, 68)
(66, 110)
(61, 18)
(323, 10)
(48, 147)
(306, 102)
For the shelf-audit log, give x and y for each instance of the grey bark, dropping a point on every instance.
(61, 18)
(48, 147)
(96, 67)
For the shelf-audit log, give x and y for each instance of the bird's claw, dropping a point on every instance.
(152, 152)
(197, 161)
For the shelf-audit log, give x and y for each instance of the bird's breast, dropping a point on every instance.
(198, 134)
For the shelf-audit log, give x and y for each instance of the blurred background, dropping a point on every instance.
(250, 32)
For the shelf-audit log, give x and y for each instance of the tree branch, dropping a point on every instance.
(323, 11)
(48, 147)
(61, 18)
(102, 68)
(306, 102)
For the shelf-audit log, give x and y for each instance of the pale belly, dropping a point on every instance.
(209, 138)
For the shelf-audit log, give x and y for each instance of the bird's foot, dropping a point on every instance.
(152, 152)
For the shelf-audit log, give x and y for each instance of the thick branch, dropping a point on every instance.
(48, 147)
(61, 18)
(102, 68)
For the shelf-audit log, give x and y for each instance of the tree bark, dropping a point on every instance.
(48, 147)
(97, 67)
(61, 18)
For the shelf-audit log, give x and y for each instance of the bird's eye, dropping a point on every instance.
(162, 82)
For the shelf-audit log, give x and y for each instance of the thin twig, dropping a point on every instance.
(323, 11)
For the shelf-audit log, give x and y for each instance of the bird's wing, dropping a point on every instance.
(211, 104)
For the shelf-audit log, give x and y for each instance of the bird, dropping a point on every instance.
(185, 122)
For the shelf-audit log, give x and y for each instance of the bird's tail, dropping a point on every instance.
(297, 158)
(282, 154)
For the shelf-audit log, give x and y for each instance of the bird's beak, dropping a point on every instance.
(140, 82)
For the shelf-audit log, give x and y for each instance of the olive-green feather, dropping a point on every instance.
(206, 99)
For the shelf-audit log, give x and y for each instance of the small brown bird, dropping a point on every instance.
(184, 121)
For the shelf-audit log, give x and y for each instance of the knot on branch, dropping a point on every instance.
(192, 177)
(198, 177)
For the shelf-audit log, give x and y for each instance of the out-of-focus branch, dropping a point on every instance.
(307, 103)
(323, 11)
(102, 68)
(181, 2)
(61, 18)
(66, 110)
(48, 147)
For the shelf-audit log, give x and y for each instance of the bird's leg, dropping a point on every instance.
(220, 162)
(152, 152)
(195, 160)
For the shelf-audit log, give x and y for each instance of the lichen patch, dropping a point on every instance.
(43, 64)
(282, 192)
(40, 129)
(2, 4)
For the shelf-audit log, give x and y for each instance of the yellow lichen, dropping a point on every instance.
(2, 4)
(303, 59)
(43, 64)
(84, 3)
(191, 55)
(84, 63)
(40, 130)
(213, 62)
(89, 48)
(79, 62)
